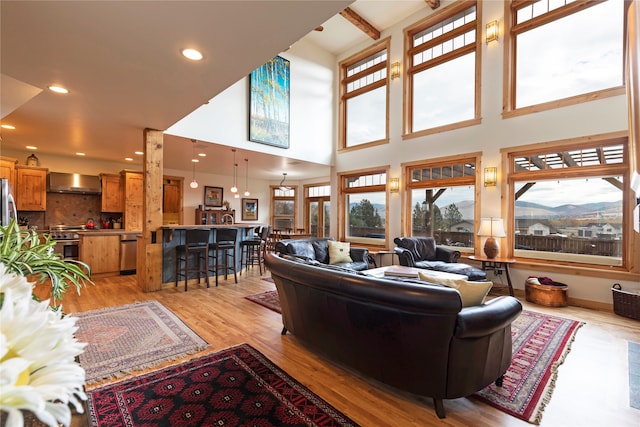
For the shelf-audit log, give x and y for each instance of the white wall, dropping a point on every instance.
(493, 134)
(224, 120)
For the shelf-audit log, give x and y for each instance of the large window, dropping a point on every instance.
(443, 70)
(283, 208)
(364, 97)
(317, 209)
(442, 200)
(364, 207)
(569, 202)
(563, 50)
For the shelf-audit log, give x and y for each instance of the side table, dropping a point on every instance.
(380, 255)
(495, 265)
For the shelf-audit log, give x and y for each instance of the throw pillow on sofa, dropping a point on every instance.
(339, 252)
(471, 293)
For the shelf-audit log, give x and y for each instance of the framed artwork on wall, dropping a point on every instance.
(249, 209)
(213, 197)
(269, 103)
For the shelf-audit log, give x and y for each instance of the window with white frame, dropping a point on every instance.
(443, 71)
(568, 202)
(563, 50)
(364, 101)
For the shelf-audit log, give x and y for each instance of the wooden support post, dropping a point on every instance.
(149, 262)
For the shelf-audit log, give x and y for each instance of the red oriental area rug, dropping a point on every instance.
(540, 344)
(237, 386)
(267, 299)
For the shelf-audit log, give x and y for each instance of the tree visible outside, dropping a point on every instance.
(422, 218)
(452, 216)
(364, 215)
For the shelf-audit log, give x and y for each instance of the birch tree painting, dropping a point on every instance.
(269, 99)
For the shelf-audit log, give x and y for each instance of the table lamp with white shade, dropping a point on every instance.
(491, 228)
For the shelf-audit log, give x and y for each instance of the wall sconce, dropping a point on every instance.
(395, 70)
(490, 177)
(394, 185)
(492, 32)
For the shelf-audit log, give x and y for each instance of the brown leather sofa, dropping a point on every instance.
(411, 335)
(317, 248)
(422, 252)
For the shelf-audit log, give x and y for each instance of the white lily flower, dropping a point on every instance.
(21, 287)
(38, 368)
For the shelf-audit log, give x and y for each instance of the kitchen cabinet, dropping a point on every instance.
(133, 197)
(101, 253)
(214, 216)
(8, 170)
(111, 193)
(31, 188)
(172, 199)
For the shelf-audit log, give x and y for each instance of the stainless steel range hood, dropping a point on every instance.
(73, 183)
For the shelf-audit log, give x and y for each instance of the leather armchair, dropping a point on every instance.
(422, 252)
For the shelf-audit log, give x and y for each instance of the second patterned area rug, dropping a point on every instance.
(540, 344)
(267, 299)
(132, 337)
(235, 387)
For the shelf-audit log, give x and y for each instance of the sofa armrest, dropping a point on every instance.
(446, 254)
(482, 320)
(359, 255)
(405, 257)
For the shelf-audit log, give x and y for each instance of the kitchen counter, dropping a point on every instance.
(174, 235)
(106, 232)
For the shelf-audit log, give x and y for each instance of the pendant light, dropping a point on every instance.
(234, 189)
(282, 186)
(246, 178)
(194, 183)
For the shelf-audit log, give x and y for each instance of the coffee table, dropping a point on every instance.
(391, 271)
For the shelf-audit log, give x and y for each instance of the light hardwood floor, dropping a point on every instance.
(591, 389)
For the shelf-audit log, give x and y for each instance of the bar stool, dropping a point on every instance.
(225, 245)
(196, 242)
(274, 237)
(253, 249)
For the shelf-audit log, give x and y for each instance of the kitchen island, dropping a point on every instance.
(174, 235)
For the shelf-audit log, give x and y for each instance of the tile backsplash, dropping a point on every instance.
(68, 209)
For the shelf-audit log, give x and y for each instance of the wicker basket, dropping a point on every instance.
(626, 303)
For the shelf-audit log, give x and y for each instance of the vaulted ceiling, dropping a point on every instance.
(121, 62)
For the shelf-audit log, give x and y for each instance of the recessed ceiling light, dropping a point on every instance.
(7, 127)
(128, 159)
(202, 154)
(31, 147)
(139, 153)
(79, 154)
(58, 89)
(192, 54)
(195, 160)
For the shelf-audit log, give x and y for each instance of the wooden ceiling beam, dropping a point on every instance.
(361, 23)
(433, 4)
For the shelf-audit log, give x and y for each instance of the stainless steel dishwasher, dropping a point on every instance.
(128, 249)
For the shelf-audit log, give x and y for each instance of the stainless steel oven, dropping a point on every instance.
(67, 240)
